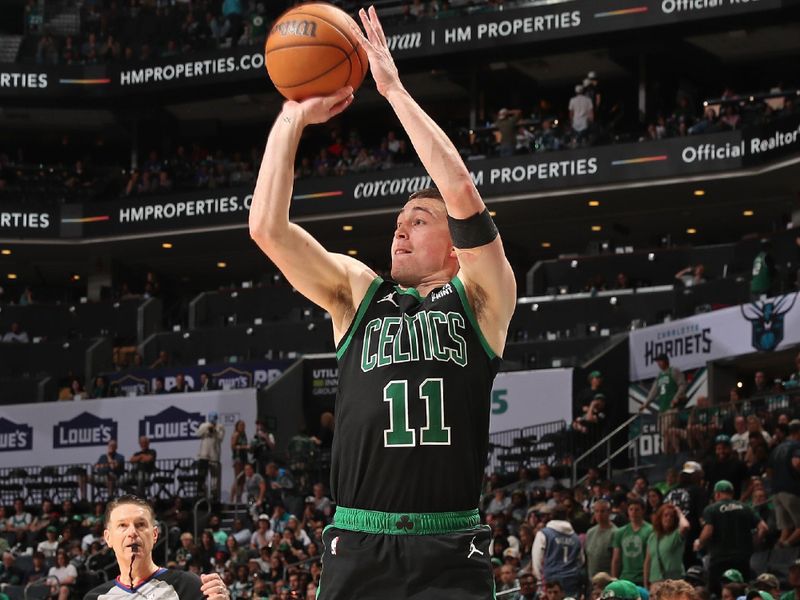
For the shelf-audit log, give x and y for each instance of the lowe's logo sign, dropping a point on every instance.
(84, 430)
(14, 436)
(171, 425)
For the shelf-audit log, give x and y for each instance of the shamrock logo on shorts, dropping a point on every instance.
(405, 523)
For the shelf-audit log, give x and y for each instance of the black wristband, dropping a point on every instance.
(477, 230)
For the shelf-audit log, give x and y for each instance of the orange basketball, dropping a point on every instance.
(312, 51)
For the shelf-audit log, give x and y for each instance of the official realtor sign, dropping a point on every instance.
(766, 325)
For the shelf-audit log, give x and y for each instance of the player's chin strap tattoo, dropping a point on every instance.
(472, 232)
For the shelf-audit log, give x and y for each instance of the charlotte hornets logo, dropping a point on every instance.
(767, 320)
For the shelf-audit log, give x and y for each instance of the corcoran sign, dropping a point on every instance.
(445, 35)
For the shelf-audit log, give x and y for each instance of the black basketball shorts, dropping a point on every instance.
(371, 555)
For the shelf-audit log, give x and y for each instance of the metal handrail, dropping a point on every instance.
(43, 582)
(506, 592)
(197, 504)
(163, 528)
(604, 441)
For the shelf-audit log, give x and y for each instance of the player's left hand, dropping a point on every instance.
(381, 63)
(213, 587)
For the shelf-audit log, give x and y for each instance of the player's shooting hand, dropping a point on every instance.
(381, 63)
(213, 587)
(319, 109)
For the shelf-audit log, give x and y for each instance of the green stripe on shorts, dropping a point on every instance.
(375, 521)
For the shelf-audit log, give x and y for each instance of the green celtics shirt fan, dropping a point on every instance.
(415, 377)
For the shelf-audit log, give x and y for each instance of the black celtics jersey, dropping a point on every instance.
(412, 410)
(164, 584)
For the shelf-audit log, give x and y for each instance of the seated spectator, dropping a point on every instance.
(76, 390)
(500, 503)
(49, 546)
(263, 536)
(186, 550)
(691, 275)
(109, 468)
(740, 440)
(10, 574)
(546, 481)
(794, 582)
(100, 389)
(63, 575)
(730, 118)
(38, 570)
(708, 124)
(19, 523)
(15, 334)
(181, 385)
(241, 533)
(143, 466)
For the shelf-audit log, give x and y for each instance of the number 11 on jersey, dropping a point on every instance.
(399, 435)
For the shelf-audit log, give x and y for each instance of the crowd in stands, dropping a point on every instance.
(112, 31)
(712, 522)
(591, 119)
(586, 121)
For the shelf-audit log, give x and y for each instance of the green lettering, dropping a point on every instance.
(436, 318)
(413, 341)
(368, 360)
(458, 354)
(499, 403)
(398, 434)
(434, 433)
(385, 339)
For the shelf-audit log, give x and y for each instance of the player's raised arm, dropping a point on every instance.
(484, 269)
(332, 281)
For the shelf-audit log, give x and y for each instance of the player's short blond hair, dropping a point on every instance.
(428, 193)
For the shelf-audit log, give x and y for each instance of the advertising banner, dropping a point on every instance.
(555, 20)
(78, 432)
(482, 29)
(28, 221)
(496, 177)
(524, 398)
(765, 326)
(226, 376)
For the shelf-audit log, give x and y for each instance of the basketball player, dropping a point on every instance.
(130, 530)
(417, 356)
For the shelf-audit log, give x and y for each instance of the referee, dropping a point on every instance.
(131, 531)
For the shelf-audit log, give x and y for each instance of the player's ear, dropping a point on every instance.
(155, 534)
(106, 537)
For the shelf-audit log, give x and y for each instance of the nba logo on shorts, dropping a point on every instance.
(334, 543)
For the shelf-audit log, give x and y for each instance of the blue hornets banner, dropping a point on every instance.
(79, 431)
(762, 326)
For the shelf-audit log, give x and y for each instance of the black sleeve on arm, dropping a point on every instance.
(101, 589)
(472, 232)
(186, 584)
